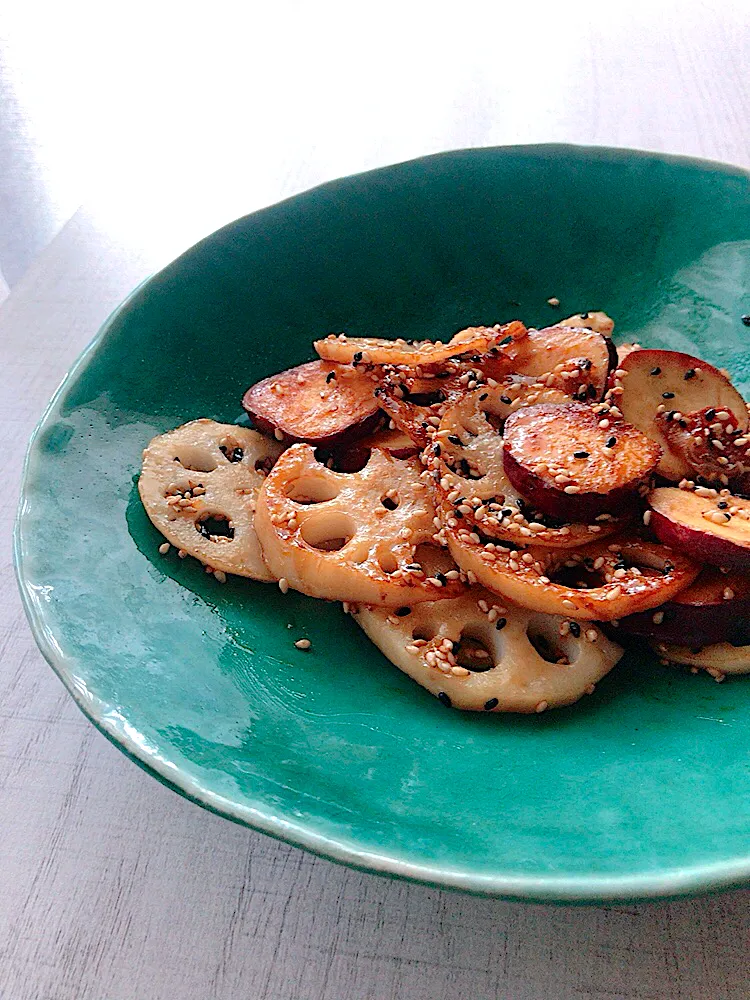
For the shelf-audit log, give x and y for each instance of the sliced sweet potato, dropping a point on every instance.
(467, 459)
(713, 528)
(560, 458)
(711, 444)
(657, 382)
(321, 403)
(714, 608)
(377, 351)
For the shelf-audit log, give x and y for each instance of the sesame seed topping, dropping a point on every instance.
(580, 454)
(658, 618)
(279, 435)
(690, 373)
(303, 644)
(283, 585)
(592, 635)
(444, 699)
(655, 371)
(542, 706)
(164, 548)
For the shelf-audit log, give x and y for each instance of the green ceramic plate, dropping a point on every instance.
(640, 791)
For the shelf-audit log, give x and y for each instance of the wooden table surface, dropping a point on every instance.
(113, 887)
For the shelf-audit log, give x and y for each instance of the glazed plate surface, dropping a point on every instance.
(641, 790)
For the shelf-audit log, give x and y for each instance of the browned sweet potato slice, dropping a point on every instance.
(711, 444)
(466, 458)
(318, 402)
(714, 528)
(715, 608)
(376, 351)
(656, 382)
(565, 463)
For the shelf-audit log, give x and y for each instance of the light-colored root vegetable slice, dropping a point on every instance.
(480, 655)
(656, 382)
(596, 320)
(199, 485)
(718, 660)
(468, 458)
(565, 463)
(364, 537)
(584, 356)
(376, 351)
(599, 582)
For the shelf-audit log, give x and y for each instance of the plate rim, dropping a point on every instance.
(668, 883)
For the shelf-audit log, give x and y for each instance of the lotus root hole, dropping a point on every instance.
(577, 577)
(215, 527)
(472, 653)
(196, 458)
(546, 643)
(423, 632)
(231, 450)
(312, 489)
(328, 531)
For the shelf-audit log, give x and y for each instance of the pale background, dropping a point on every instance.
(164, 121)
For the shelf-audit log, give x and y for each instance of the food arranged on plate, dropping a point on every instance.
(497, 512)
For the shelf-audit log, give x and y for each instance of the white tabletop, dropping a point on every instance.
(111, 886)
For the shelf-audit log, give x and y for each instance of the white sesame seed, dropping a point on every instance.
(460, 671)
(220, 576)
(646, 517)
(658, 618)
(303, 644)
(592, 635)
(728, 594)
(182, 553)
(279, 435)
(567, 603)
(283, 585)
(614, 594)
(604, 424)
(590, 689)
(572, 489)
(542, 706)
(164, 548)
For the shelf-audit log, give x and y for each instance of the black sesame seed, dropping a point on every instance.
(357, 357)
(500, 624)
(489, 705)
(592, 391)
(575, 629)
(722, 505)
(690, 373)
(506, 399)
(580, 454)
(506, 512)
(585, 365)
(483, 397)
(388, 503)
(454, 439)
(584, 315)
(683, 423)
(655, 371)
(442, 578)
(403, 612)
(668, 567)
(330, 377)
(667, 395)
(436, 450)
(710, 413)
(444, 699)
(669, 417)
(505, 341)
(458, 514)
(746, 319)
(612, 442)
